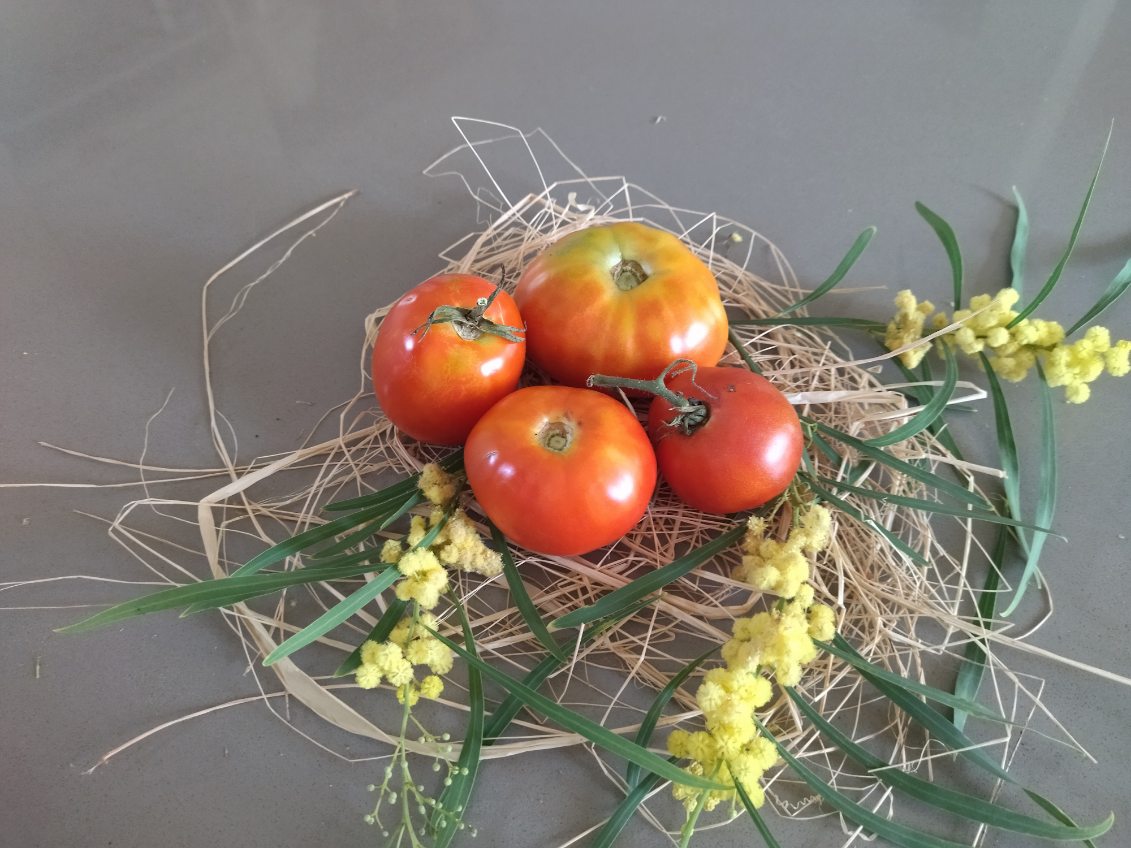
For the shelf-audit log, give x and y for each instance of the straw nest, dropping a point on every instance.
(902, 615)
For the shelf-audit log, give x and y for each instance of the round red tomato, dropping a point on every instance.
(745, 452)
(620, 299)
(440, 360)
(559, 470)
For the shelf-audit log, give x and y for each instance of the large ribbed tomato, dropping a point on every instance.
(621, 299)
(441, 359)
(559, 470)
(745, 452)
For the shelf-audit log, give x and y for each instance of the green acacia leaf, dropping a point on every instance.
(895, 833)
(755, 816)
(969, 678)
(215, 593)
(393, 613)
(650, 583)
(457, 794)
(933, 480)
(1054, 277)
(931, 410)
(850, 510)
(1020, 243)
(1114, 291)
(452, 463)
(941, 696)
(950, 245)
(334, 616)
(626, 809)
(742, 351)
(928, 506)
(1006, 444)
(838, 273)
(592, 731)
(521, 597)
(959, 803)
(648, 725)
(1046, 493)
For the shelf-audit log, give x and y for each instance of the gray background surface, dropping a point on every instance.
(143, 144)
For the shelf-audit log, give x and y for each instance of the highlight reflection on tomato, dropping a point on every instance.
(559, 470)
(621, 299)
(438, 365)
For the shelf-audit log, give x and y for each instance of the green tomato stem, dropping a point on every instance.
(470, 323)
(691, 413)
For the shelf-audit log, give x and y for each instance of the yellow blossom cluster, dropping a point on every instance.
(410, 645)
(781, 567)
(1013, 347)
(779, 641)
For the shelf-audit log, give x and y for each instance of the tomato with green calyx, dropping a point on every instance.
(560, 470)
(621, 299)
(726, 439)
(445, 353)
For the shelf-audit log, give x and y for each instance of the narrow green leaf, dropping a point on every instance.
(838, 274)
(895, 833)
(969, 678)
(301, 541)
(1046, 493)
(812, 321)
(742, 351)
(521, 598)
(755, 816)
(869, 522)
(940, 696)
(1020, 243)
(950, 245)
(393, 613)
(931, 410)
(452, 463)
(648, 725)
(457, 795)
(215, 593)
(334, 616)
(938, 796)
(349, 540)
(626, 809)
(1054, 277)
(929, 506)
(592, 731)
(510, 706)
(1006, 445)
(925, 716)
(1114, 291)
(933, 480)
(938, 428)
(651, 582)
(1055, 811)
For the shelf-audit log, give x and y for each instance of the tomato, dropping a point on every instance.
(620, 299)
(726, 439)
(560, 470)
(438, 366)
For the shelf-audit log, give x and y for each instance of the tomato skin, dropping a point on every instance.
(745, 454)
(435, 385)
(560, 502)
(580, 323)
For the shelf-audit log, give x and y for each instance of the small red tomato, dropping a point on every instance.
(736, 444)
(559, 470)
(445, 353)
(621, 299)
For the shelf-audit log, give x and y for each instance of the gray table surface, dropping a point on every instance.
(143, 144)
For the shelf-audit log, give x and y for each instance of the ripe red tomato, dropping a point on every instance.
(746, 452)
(559, 470)
(435, 380)
(621, 299)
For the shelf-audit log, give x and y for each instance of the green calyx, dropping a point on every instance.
(690, 413)
(471, 323)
